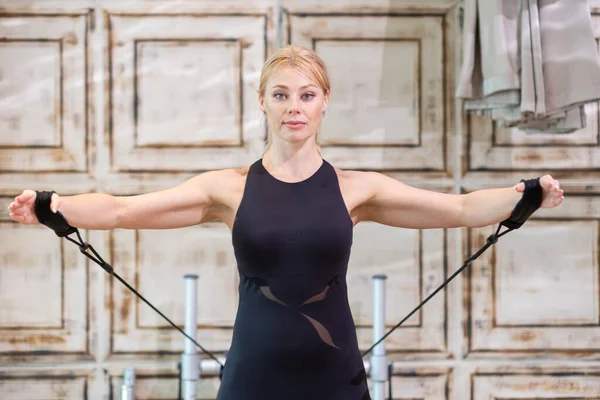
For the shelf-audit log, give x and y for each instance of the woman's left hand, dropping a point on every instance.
(553, 195)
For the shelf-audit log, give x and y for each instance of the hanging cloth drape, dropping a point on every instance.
(531, 64)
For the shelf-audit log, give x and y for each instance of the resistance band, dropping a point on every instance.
(529, 203)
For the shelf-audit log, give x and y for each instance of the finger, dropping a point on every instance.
(54, 202)
(520, 187)
(16, 217)
(26, 196)
(15, 206)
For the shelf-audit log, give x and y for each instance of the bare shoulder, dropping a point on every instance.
(359, 180)
(357, 188)
(229, 174)
(225, 183)
(226, 188)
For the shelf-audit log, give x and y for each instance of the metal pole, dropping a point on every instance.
(379, 368)
(190, 361)
(128, 387)
(210, 367)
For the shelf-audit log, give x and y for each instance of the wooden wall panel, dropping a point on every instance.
(560, 386)
(419, 385)
(414, 263)
(387, 111)
(44, 295)
(155, 383)
(43, 101)
(155, 263)
(538, 289)
(44, 385)
(183, 90)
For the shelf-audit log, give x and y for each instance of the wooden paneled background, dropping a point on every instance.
(126, 97)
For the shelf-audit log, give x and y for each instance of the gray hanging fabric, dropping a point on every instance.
(531, 64)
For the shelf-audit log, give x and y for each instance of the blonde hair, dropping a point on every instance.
(304, 60)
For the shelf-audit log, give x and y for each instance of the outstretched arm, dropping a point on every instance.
(397, 204)
(183, 205)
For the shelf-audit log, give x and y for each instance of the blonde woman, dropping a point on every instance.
(291, 214)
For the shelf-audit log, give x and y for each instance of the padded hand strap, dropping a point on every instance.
(529, 203)
(55, 221)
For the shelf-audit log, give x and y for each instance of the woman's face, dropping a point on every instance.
(294, 106)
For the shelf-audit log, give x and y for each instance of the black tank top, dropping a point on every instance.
(294, 336)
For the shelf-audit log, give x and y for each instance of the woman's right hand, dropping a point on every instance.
(23, 208)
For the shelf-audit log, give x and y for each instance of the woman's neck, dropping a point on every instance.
(292, 164)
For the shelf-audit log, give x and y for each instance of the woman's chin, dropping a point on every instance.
(296, 137)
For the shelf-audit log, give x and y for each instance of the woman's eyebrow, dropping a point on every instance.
(285, 87)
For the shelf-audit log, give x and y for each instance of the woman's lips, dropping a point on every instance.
(295, 124)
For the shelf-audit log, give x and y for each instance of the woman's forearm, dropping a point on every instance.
(90, 211)
(489, 206)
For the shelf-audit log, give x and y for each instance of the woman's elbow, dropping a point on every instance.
(464, 216)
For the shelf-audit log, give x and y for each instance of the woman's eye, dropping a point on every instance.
(308, 96)
(278, 95)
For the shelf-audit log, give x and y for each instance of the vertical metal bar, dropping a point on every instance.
(128, 387)
(379, 368)
(190, 360)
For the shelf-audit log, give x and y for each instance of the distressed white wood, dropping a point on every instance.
(536, 386)
(413, 261)
(161, 383)
(368, 6)
(522, 152)
(43, 93)
(387, 110)
(202, 74)
(384, 108)
(208, 65)
(155, 263)
(419, 384)
(43, 292)
(538, 288)
(44, 385)
(42, 269)
(555, 285)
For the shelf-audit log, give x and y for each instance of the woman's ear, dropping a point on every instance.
(326, 102)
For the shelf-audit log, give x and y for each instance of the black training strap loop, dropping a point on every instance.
(529, 203)
(55, 221)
